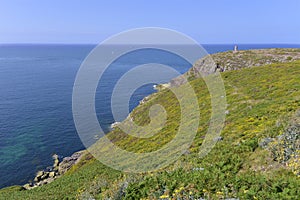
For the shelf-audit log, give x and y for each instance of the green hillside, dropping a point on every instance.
(256, 157)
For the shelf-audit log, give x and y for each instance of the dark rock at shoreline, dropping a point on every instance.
(59, 168)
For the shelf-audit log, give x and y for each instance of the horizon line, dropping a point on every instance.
(45, 43)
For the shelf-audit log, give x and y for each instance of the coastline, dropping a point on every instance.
(68, 162)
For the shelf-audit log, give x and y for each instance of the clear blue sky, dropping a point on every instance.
(207, 21)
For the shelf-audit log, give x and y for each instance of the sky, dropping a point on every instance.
(206, 21)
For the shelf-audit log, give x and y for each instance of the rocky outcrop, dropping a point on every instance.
(51, 173)
(68, 162)
(237, 60)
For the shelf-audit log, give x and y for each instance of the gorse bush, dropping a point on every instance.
(286, 147)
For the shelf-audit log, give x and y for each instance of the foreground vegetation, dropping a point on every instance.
(248, 162)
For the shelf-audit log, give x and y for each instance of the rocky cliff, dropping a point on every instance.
(234, 60)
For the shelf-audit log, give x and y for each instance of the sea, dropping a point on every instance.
(36, 84)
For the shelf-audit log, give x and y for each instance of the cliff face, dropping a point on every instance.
(234, 60)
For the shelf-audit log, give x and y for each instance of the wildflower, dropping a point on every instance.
(164, 196)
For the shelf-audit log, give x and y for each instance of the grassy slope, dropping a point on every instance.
(260, 102)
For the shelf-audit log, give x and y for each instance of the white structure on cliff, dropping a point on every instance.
(235, 48)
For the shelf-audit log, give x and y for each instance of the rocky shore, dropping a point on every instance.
(56, 170)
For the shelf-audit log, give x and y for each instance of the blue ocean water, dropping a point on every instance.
(36, 83)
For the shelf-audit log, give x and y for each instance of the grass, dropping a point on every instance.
(261, 101)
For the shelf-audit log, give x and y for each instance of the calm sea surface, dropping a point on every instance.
(36, 84)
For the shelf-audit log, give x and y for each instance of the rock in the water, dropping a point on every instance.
(56, 162)
(55, 157)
